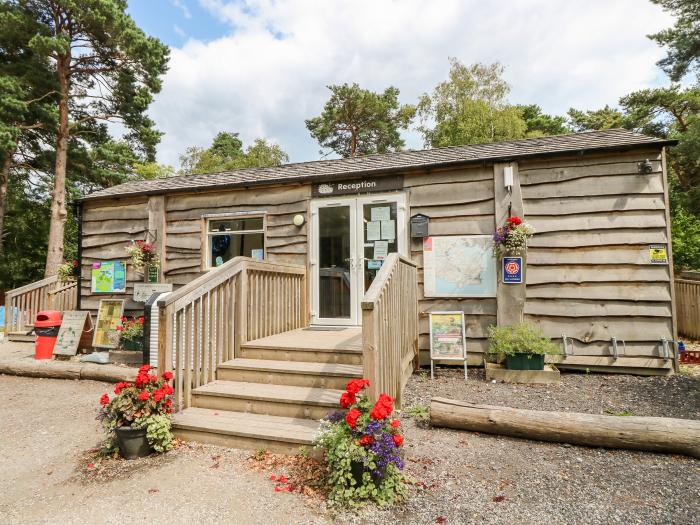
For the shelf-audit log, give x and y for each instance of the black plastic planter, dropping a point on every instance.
(523, 361)
(357, 468)
(133, 442)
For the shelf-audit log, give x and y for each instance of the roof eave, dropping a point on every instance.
(386, 171)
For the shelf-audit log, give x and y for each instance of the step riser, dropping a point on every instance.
(247, 443)
(279, 354)
(256, 406)
(278, 378)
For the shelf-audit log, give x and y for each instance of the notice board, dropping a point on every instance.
(108, 319)
(73, 325)
(108, 277)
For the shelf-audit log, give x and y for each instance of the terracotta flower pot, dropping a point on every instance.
(133, 442)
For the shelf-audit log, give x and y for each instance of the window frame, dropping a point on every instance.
(206, 219)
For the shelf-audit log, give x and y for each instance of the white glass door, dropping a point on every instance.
(351, 238)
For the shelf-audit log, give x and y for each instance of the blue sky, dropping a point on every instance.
(260, 67)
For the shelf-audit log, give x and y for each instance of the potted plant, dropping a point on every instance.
(523, 345)
(67, 271)
(137, 419)
(131, 333)
(362, 445)
(143, 256)
(512, 238)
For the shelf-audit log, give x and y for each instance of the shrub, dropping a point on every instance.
(524, 337)
(363, 441)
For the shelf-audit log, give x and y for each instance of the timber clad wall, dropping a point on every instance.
(588, 270)
(458, 202)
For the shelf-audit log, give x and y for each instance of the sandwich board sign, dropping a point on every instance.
(448, 340)
(74, 325)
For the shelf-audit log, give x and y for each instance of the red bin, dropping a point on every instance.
(46, 327)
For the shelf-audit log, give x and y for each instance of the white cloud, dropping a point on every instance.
(179, 31)
(182, 7)
(270, 73)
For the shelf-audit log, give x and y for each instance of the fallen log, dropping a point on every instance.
(656, 434)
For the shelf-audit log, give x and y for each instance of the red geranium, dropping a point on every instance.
(104, 400)
(352, 416)
(355, 385)
(395, 423)
(366, 441)
(347, 399)
(143, 396)
(167, 375)
(383, 407)
(398, 440)
(514, 221)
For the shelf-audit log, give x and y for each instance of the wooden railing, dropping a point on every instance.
(688, 305)
(22, 304)
(390, 327)
(205, 322)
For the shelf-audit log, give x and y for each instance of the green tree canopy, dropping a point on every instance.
(682, 40)
(357, 121)
(226, 153)
(539, 124)
(470, 107)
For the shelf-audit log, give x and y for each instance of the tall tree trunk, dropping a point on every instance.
(59, 213)
(4, 182)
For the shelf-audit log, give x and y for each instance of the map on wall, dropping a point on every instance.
(459, 266)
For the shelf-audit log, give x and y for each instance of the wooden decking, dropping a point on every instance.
(273, 395)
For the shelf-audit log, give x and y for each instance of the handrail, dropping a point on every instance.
(205, 322)
(390, 327)
(23, 303)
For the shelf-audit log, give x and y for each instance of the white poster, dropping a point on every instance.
(381, 214)
(373, 229)
(381, 249)
(388, 230)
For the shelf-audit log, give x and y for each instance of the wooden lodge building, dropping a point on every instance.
(335, 280)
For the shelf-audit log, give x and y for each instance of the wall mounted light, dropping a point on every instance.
(645, 168)
(508, 178)
(298, 220)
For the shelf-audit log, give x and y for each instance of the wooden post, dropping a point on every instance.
(669, 250)
(156, 228)
(510, 298)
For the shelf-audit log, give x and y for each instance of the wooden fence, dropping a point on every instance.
(205, 322)
(22, 304)
(390, 327)
(688, 304)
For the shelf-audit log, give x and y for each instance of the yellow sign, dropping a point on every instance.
(657, 254)
(108, 319)
(447, 337)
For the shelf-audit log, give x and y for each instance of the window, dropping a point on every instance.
(232, 236)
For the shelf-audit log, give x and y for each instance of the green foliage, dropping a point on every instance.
(418, 411)
(469, 108)
(357, 121)
(682, 40)
(158, 431)
(605, 118)
(523, 337)
(539, 124)
(619, 413)
(685, 229)
(226, 153)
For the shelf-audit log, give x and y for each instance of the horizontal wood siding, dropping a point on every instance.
(458, 202)
(588, 271)
(284, 242)
(108, 228)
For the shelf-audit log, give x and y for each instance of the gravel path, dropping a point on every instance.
(461, 477)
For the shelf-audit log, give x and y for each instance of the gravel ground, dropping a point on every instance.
(460, 477)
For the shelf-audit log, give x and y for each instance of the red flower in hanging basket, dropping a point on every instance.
(514, 221)
(347, 399)
(352, 416)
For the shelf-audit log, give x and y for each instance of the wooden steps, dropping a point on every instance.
(245, 430)
(292, 373)
(274, 393)
(271, 400)
(21, 337)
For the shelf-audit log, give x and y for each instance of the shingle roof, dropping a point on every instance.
(612, 139)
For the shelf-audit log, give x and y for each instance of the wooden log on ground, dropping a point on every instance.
(655, 434)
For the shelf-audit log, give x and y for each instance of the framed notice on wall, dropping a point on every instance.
(448, 340)
(108, 277)
(108, 319)
(459, 266)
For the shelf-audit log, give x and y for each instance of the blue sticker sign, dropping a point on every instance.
(512, 270)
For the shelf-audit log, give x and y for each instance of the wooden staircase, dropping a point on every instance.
(274, 394)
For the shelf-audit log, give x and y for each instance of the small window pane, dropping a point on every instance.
(225, 247)
(236, 225)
